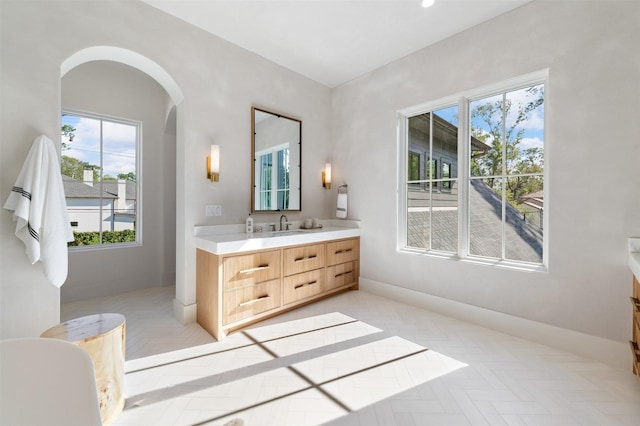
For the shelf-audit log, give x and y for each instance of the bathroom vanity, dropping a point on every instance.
(242, 279)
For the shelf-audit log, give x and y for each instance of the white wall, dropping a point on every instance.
(593, 55)
(219, 81)
(118, 90)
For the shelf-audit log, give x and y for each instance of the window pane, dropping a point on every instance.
(524, 219)
(444, 220)
(418, 216)
(119, 181)
(419, 139)
(525, 129)
(445, 142)
(485, 220)
(265, 181)
(283, 179)
(485, 128)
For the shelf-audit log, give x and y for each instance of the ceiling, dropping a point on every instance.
(334, 41)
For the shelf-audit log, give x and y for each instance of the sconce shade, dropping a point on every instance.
(326, 176)
(213, 164)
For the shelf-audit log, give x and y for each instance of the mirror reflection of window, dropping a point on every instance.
(276, 145)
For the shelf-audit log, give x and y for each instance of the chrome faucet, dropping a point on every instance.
(286, 222)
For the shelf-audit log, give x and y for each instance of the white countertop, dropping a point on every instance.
(634, 256)
(227, 239)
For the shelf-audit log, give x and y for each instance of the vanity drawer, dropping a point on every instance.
(342, 275)
(249, 269)
(249, 301)
(343, 251)
(302, 286)
(302, 259)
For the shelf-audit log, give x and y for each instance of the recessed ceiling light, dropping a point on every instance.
(427, 3)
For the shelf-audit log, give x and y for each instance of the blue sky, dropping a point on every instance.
(118, 144)
(533, 126)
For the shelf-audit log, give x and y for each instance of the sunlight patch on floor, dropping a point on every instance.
(197, 386)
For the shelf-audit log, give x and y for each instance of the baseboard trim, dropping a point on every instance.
(186, 314)
(613, 353)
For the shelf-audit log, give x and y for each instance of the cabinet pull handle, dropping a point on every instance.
(302, 259)
(305, 284)
(343, 251)
(341, 274)
(251, 302)
(258, 268)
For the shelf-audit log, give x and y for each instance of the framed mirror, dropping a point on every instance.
(276, 145)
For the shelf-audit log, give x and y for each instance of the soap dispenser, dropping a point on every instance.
(249, 224)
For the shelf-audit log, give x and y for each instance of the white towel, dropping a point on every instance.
(341, 209)
(40, 210)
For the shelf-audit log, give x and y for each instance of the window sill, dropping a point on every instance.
(93, 247)
(496, 263)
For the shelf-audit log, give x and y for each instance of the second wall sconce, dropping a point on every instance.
(213, 164)
(326, 176)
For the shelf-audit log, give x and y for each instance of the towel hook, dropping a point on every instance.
(342, 189)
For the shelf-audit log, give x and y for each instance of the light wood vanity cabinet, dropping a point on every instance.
(244, 270)
(234, 290)
(342, 262)
(304, 272)
(635, 342)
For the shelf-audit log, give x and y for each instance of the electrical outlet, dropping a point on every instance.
(213, 210)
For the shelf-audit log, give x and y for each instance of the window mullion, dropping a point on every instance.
(429, 177)
(403, 171)
(100, 185)
(464, 173)
(504, 176)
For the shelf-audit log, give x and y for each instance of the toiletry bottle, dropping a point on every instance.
(249, 224)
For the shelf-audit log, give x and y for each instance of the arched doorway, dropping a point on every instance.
(172, 119)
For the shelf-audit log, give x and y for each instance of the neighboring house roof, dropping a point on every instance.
(78, 189)
(445, 133)
(523, 240)
(534, 200)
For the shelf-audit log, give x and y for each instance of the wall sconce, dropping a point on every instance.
(213, 164)
(326, 176)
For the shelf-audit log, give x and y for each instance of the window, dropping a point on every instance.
(100, 177)
(474, 174)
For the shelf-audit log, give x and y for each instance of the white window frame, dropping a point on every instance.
(139, 203)
(462, 101)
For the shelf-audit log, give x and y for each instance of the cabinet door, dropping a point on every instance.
(249, 269)
(301, 286)
(302, 259)
(248, 301)
(343, 251)
(342, 275)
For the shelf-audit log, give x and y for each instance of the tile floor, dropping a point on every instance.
(353, 359)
